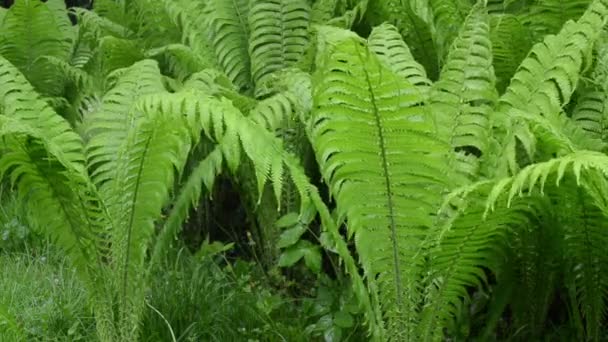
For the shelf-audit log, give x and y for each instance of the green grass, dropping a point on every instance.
(203, 301)
(41, 299)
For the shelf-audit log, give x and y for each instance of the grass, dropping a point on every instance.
(41, 299)
(203, 301)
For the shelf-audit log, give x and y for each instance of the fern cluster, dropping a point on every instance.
(461, 143)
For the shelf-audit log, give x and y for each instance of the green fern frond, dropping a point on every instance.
(19, 100)
(536, 175)
(533, 264)
(212, 82)
(279, 36)
(145, 171)
(44, 159)
(229, 32)
(415, 30)
(372, 136)
(236, 135)
(350, 15)
(96, 26)
(548, 16)
(30, 30)
(117, 53)
(465, 94)
(585, 258)
(386, 42)
(323, 10)
(591, 113)
(511, 41)
(465, 245)
(448, 16)
(535, 90)
(191, 17)
(179, 60)
(547, 78)
(107, 128)
(189, 194)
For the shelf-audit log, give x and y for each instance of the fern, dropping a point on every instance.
(414, 28)
(386, 42)
(546, 79)
(466, 93)
(548, 16)
(31, 30)
(447, 17)
(279, 36)
(511, 42)
(229, 33)
(357, 99)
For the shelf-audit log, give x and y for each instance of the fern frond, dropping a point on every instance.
(19, 100)
(30, 30)
(585, 258)
(117, 53)
(205, 174)
(511, 41)
(107, 128)
(236, 135)
(192, 18)
(145, 171)
(386, 42)
(279, 36)
(179, 60)
(465, 245)
(323, 11)
(229, 32)
(44, 159)
(448, 16)
(548, 16)
(416, 30)
(372, 136)
(465, 93)
(547, 78)
(346, 13)
(535, 90)
(590, 112)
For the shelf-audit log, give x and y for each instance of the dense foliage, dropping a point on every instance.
(435, 169)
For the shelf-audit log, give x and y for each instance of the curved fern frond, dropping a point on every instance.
(591, 112)
(205, 174)
(547, 78)
(349, 13)
(386, 42)
(117, 53)
(372, 136)
(229, 32)
(448, 16)
(107, 130)
(44, 159)
(463, 247)
(584, 248)
(223, 123)
(511, 41)
(323, 10)
(145, 173)
(465, 93)
(30, 30)
(548, 16)
(415, 30)
(19, 100)
(279, 36)
(179, 60)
